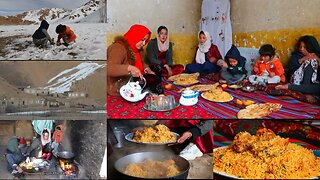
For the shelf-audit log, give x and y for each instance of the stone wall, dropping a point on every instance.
(280, 23)
(88, 140)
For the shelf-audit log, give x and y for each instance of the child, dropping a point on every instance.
(233, 67)
(57, 138)
(66, 34)
(268, 68)
(41, 36)
(206, 57)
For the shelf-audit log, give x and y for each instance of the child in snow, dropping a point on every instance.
(66, 34)
(268, 68)
(41, 36)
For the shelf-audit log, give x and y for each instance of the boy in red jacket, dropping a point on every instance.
(66, 34)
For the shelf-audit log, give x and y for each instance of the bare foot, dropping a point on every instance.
(310, 99)
(284, 86)
(221, 81)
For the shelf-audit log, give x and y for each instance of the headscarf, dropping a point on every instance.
(203, 48)
(39, 125)
(135, 34)
(163, 46)
(43, 141)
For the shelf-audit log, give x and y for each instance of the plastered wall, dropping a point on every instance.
(254, 22)
(181, 17)
(278, 22)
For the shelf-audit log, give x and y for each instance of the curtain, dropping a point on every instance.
(215, 18)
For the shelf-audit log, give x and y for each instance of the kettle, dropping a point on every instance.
(132, 91)
(189, 97)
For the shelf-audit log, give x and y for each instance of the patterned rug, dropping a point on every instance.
(118, 108)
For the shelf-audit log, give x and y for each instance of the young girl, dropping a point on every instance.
(268, 68)
(159, 51)
(233, 67)
(46, 144)
(206, 57)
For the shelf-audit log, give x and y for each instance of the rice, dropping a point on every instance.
(268, 161)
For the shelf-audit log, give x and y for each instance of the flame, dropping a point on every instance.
(68, 168)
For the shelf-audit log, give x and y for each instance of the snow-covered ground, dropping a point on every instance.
(64, 80)
(90, 43)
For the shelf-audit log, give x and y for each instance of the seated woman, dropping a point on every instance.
(268, 68)
(159, 51)
(14, 156)
(40, 146)
(46, 144)
(206, 57)
(124, 60)
(305, 65)
(233, 66)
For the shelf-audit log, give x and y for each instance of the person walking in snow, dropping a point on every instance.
(41, 36)
(66, 34)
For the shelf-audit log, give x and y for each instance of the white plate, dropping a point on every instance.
(129, 137)
(216, 101)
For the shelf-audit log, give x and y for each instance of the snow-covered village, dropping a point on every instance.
(71, 90)
(86, 20)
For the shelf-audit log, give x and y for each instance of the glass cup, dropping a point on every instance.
(171, 102)
(151, 101)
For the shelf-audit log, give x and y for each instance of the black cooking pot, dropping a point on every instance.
(121, 163)
(67, 156)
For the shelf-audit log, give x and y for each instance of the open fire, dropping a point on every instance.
(68, 168)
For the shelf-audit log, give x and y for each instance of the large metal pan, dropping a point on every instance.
(121, 163)
(66, 156)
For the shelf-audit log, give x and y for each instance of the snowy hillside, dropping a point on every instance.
(64, 80)
(90, 43)
(82, 12)
(88, 10)
(51, 15)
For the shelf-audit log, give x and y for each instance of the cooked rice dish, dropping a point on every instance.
(152, 169)
(158, 134)
(266, 156)
(217, 95)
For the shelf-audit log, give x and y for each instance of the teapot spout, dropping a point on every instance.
(143, 94)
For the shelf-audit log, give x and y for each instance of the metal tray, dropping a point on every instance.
(175, 106)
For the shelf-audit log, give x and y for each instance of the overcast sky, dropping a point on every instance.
(12, 7)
